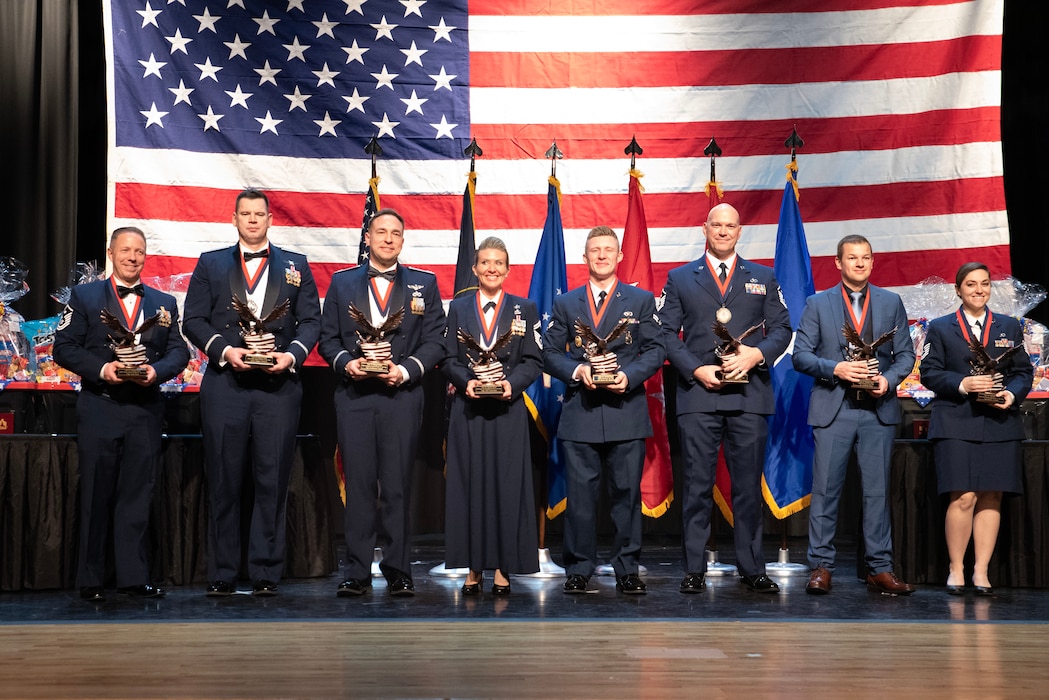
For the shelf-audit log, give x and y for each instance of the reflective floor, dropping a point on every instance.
(533, 598)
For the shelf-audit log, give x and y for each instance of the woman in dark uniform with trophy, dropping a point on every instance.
(975, 361)
(492, 355)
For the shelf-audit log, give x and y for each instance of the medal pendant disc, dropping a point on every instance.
(723, 315)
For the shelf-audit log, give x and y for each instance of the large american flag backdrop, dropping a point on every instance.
(897, 101)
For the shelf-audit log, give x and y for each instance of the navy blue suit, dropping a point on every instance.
(118, 427)
(736, 412)
(841, 424)
(378, 425)
(251, 417)
(602, 430)
(945, 362)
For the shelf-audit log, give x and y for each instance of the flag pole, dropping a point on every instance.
(537, 395)
(783, 566)
(714, 191)
(465, 282)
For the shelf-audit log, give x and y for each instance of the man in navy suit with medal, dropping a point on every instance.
(723, 400)
(250, 412)
(119, 421)
(603, 342)
(844, 418)
(382, 329)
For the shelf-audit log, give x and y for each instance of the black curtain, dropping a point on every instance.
(53, 115)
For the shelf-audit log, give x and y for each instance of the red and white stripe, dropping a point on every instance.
(897, 101)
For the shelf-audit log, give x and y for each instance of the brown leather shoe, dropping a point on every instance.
(887, 583)
(819, 582)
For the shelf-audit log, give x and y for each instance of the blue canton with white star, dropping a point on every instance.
(301, 78)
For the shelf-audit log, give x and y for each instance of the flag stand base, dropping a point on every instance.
(784, 567)
(547, 567)
(376, 558)
(442, 570)
(607, 570)
(716, 568)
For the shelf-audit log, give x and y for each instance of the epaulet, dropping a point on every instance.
(419, 269)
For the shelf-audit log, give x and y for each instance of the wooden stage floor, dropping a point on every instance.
(538, 643)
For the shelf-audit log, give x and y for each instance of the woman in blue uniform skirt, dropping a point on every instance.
(975, 425)
(490, 516)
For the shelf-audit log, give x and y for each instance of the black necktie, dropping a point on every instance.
(389, 275)
(601, 299)
(978, 330)
(857, 306)
(489, 306)
(723, 275)
(264, 253)
(124, 291)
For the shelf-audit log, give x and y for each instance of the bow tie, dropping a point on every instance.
(489, 306)
(123, 291)
(264, 253)
(389, 275)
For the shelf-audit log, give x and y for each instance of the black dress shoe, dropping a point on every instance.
(760, 583)
(575, 583)
(692, 583)
(402, 587)
(94, 594)
(499, 589)
(353, 587)
(143, 591)
(264, 588)
(220, 588)
(631, 584)
(984, 591)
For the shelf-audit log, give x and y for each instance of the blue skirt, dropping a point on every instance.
(978, 466)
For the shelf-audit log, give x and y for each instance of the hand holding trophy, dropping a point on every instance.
(257, 337)
(604, 364)
(983, 364)
(486, 367)
(858, 351)
(131, 354)
(375, 348)
(730, 347)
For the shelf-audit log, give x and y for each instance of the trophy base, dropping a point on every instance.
(603, 379)
(131, 372)
(488, 389)
(732, 378)
(375, 366)
(865, 385)
(259, 360)
(990, 397)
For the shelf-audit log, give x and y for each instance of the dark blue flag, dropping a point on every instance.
(545, 396)
(787, 482)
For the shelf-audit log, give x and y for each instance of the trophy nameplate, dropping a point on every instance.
(257, 338)
(486, 366)
(730, 348)
(376, 350)
(260, 345)
(991, 395)
(376, 356)
(130, 354)
(604, 365)
(858, 351)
